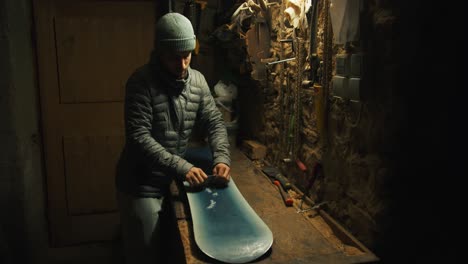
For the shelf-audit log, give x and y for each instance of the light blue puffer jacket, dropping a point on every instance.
(159, 118)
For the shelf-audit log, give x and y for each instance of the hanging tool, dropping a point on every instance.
(316, 172)
(275, 174)
(288, 201)
(291, 138)
(319, 104)
(301, 166)
(313, 57)
(282, 98)
(287, 143)
(316, 72)
(297, 97)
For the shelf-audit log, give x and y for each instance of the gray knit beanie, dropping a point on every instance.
(174, 32)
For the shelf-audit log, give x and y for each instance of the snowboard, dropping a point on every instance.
(225, 226)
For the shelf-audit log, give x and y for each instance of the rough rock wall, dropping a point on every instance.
(355, 147)
(291, 122)
(360, 156)
(353, 142)
(290, 130)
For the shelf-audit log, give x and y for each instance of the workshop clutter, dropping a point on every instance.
(226, 101)
(232, 130)
(225, 96)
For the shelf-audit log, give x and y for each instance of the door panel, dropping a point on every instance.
(86, 51)
(104, 46)
(88, 161)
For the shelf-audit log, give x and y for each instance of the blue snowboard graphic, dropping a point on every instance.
(226, 228)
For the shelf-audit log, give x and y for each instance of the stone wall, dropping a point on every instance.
(356, 145)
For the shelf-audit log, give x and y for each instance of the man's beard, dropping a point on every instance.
(182, 75)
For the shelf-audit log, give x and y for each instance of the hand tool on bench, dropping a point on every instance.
(282, 182)
(288, 201)
(275, 174)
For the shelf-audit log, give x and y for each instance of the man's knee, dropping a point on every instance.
(141, 227)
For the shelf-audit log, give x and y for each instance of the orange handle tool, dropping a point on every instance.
(284, 195)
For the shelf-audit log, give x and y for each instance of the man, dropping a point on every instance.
(163, 101)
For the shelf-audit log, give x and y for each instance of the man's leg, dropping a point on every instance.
(140, 220)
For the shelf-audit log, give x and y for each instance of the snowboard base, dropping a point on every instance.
(225, 226)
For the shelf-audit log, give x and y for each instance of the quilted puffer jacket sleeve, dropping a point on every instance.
(214, 124)
(138, 124)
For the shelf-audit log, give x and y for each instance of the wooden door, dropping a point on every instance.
(86, 51)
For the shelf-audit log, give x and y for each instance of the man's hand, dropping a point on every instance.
(222, 170)
(195, 176)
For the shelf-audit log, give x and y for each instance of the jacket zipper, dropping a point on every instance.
(180, 120)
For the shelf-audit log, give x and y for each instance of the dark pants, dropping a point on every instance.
(141, 228)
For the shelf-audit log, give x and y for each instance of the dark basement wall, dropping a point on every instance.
(382, 170)
(356, 147)
(380, 156)
(363, 136)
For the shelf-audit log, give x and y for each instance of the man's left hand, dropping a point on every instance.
(222, 170)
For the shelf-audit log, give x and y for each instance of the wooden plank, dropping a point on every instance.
(253, 149)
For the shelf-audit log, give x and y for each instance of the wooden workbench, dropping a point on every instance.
(312, 237)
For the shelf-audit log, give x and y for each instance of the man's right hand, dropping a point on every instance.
(195, 176)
